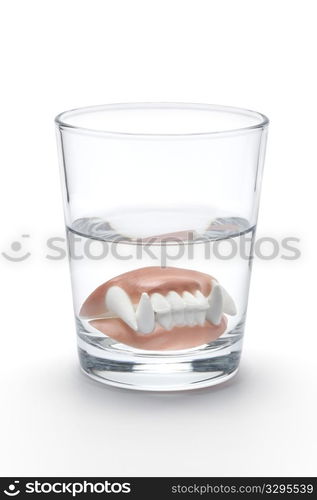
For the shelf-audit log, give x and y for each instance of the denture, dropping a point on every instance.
(156, 308)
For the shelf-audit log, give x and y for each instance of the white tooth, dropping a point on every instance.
(145, 315)
(178, 305)
(203, 301)
(163, 311)
(191, 304)
(203, 307)
(214, 313)
(118, 301)
(229, 306)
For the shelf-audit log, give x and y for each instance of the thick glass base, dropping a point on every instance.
(156, 381)
(110, 363)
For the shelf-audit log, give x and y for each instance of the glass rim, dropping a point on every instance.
(61, 119)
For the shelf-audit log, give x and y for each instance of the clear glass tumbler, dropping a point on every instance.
(161, 204)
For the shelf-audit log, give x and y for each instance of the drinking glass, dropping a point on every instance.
(161, 204)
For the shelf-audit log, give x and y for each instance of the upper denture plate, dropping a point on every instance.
(178, 307)
(145, 315)
(118, 301)
(191, 307)
(162, 310)
(215, 311)
(203, 307)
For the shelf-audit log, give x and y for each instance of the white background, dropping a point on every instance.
(67, 53)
